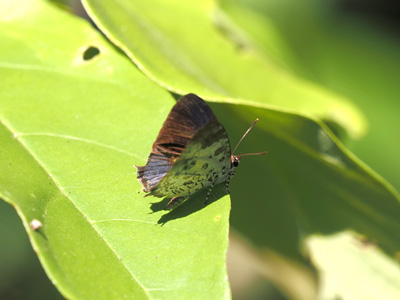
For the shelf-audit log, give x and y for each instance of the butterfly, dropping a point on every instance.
(191, 152)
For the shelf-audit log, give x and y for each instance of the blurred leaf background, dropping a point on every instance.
(350, 47)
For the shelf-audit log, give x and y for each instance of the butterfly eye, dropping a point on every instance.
(235, 161)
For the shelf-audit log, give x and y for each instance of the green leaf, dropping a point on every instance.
(352, 53)
(70, 131)
(353, 269)
(356, 56)
(307, 183)
(194, 47)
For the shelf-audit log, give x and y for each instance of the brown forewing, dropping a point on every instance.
(188, 115)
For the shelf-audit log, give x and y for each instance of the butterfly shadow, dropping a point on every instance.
(194, 203)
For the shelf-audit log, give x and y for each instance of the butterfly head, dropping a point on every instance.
(235, 159)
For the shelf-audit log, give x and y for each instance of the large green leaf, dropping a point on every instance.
(189, 46)
(70, 131)
(309, 184)
(355, 54)
(358, 58)
(308, 181)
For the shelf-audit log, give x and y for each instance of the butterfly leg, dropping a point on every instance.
(227, 187)
(228, 181)
(209, 192)
(174, 202)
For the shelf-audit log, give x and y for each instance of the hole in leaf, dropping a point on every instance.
(90, 52)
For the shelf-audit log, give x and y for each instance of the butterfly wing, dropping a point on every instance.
(186, 118)
(204, 162)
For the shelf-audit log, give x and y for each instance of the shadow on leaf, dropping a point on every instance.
(194, 203)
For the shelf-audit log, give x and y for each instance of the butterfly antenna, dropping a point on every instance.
(259, 153)
(252, 125)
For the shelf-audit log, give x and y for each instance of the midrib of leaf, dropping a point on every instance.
(309, 151)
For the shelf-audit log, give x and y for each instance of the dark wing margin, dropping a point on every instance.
(188, 115)
(186, 118)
